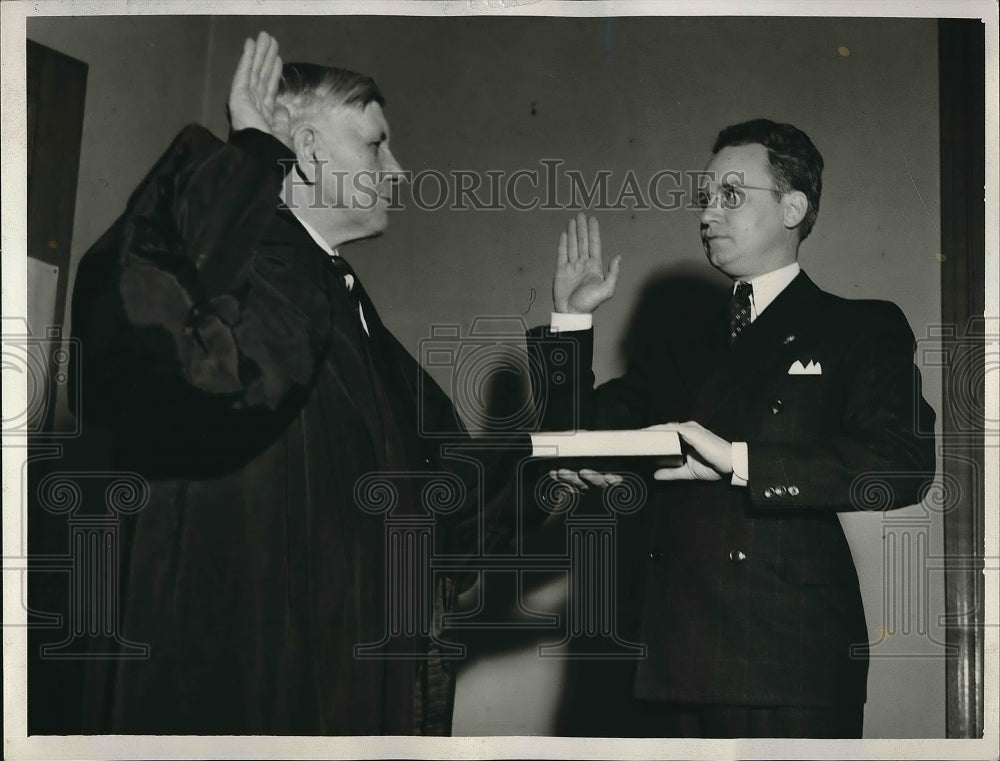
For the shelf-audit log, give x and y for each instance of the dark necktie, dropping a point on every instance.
(392, 394)
(355, 290)
(739, 311)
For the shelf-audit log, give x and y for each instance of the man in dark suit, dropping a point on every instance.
(246, 375)
(799, 404)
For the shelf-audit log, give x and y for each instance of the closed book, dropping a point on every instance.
(599, 450)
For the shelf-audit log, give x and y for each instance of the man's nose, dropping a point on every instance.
(711, 212)
(391, 169)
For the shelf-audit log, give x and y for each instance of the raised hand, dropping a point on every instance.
(255, 85)
(580, 283)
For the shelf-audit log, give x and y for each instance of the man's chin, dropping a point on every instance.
(713, 255)
(726, 264)
(370, 231)
(376, 233)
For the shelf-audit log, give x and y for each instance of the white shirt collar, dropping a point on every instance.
(316, 236)
(766, 287)
(348, 279)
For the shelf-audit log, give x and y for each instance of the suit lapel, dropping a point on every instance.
(794, 308)
(764, 340)
(713, 385)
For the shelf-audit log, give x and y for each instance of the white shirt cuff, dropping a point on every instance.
(565, 322)
(741, 463)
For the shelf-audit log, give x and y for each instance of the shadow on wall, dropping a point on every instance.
(664, 312)
(593, 687)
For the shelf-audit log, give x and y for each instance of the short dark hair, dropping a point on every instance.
(795, 162)
(306, 86)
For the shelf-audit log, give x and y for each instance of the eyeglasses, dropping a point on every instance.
(726, 195)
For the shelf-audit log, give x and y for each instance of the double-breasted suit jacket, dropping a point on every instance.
(749, 595)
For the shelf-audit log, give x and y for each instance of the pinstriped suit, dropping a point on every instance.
(748, 596)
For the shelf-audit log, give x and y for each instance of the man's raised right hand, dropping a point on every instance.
(580, 284)
(255, 85)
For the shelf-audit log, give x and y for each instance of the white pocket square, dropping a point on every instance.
(813, 368)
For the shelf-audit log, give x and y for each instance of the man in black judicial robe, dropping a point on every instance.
(244, 372)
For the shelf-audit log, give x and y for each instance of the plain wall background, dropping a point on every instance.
(617, 94)
(144, 78)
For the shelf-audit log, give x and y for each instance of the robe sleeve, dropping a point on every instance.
(185, 346)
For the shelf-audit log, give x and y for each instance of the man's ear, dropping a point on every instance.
(303, 139)
(794, 208)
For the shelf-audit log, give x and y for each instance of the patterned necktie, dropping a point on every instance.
(739, 311)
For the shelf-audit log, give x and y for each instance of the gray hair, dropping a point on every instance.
(308, 87)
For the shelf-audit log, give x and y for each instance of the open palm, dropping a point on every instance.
(580, 284)
(255, 85)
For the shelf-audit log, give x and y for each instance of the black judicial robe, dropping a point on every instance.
(225, 355)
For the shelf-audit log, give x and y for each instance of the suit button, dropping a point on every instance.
(779, 491)
(737, 556)
(768, 493)
(655, 555)
(776, 406)
(793, 490)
